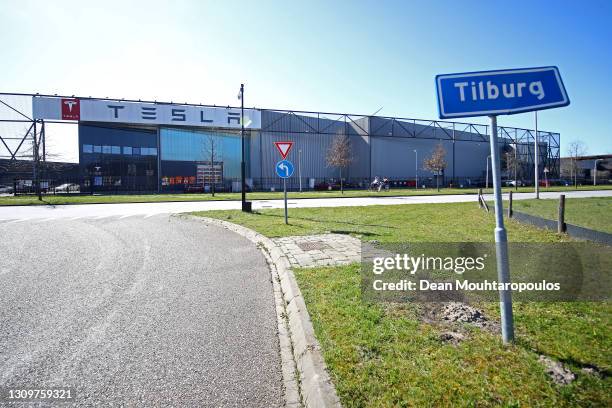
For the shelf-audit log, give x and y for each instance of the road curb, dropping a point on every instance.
(311, 385)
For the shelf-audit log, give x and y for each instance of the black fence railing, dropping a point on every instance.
(573, 231)
(149, 184)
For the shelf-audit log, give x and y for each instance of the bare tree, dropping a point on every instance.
(514, 166)
(575, 149)
(212, 150)
(339, 155)
(436, 163)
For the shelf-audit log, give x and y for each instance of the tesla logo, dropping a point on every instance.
(71, 109)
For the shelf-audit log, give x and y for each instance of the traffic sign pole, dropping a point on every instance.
(536, 158)
(284, 169)
(285, 190)
(501, 241)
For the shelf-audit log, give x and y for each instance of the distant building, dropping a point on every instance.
(585, 167)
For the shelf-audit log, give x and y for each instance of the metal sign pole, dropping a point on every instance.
(416, 169)
(300, 168)
(501, 241)
(536, 159)
(285, 191)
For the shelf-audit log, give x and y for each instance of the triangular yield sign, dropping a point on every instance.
(284, 148)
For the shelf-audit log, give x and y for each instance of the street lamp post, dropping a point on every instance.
(246, 206)
(416, 169)
(595, 171)
(515, 166)
(300, 168)
(487, 178)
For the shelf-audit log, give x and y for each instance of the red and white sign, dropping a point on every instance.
(71, 109)
(284, 148)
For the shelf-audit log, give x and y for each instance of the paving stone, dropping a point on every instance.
(318, 250)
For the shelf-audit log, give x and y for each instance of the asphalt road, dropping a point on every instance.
(20, 213)
(157, 311)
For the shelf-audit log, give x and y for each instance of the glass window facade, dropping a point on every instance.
(188, 145)
(108, 162)
(129, 158)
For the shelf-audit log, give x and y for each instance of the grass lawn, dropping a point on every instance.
(141, 198)
(594, 213)
(384, 355)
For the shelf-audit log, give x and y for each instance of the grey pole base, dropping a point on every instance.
(285, 193)
(501, 242)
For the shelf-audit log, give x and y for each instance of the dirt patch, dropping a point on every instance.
(457, 313)
(557, 371)
(594, 371)
(452, 337)
(463, 313)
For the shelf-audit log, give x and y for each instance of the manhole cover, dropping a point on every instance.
(313, 246)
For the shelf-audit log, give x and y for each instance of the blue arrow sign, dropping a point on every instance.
(501, 92)
(284, 169)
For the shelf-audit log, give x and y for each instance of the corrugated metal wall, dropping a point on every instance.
(313, 136)
(380, 146)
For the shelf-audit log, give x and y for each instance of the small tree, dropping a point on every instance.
(514, 166)
(211, 149)
(575, 149)
(339, 155)
(436, 163)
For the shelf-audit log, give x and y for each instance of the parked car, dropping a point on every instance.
(334, 185)
(514, 183)
(324, 186)
(67, 188)
(6, 189)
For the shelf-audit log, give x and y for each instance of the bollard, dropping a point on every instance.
(510, 205)
(561, 220)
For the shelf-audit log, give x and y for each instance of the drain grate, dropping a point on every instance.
(313, 246)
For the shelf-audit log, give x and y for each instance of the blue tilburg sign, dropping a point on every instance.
(500, 92)
(284, 169)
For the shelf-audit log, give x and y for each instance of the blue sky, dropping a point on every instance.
(342, 56)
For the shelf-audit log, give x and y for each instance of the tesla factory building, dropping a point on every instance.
(154, 146)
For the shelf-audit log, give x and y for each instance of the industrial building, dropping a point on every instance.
(587, 169)
(149, 146)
